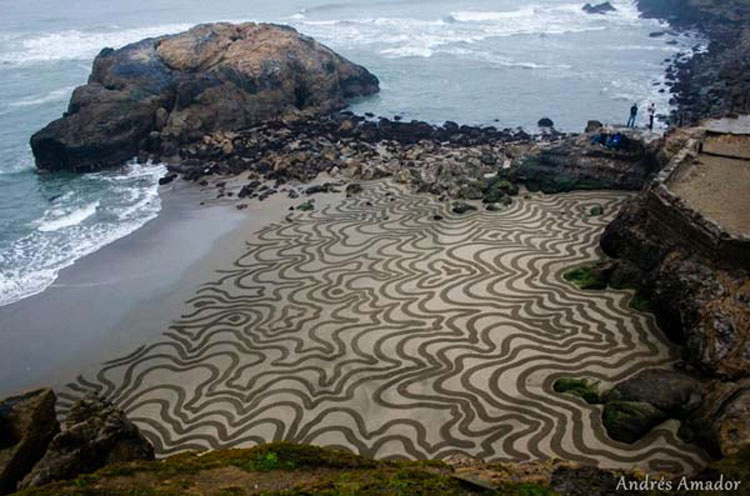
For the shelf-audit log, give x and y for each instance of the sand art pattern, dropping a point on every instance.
(373, 326)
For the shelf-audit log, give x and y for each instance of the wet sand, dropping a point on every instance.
(127, 293)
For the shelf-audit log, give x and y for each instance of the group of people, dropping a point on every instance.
(607, 138)
(634, 115)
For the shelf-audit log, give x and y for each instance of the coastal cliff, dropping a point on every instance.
(712, 83)
(161, 92)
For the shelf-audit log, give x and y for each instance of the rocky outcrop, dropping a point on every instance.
(698, 301)
(461, 162)
(635, 406)
(96, 434)
(161, 92)
(601, 8)
(722, 425)
(575, 164)
(27, 425)
(714, 83)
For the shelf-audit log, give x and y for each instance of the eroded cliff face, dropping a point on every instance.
(174, 89)
(696, 276)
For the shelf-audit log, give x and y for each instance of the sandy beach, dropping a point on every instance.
(381, 323)
(127, 293)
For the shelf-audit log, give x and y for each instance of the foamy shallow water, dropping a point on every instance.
(502, 62)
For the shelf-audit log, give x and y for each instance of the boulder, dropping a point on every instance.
(27, 425)
(545, 122)
(674, 393)
(461, 208)
(629, 421)
(593, 126)
(214, 77)
(575, 163)
(722, 425)
(601, 8)
(96, 434)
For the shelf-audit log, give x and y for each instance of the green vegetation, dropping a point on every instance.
(274, 469)
(306, 206)
(596, 211)
(499, 190)
(586, 278)
(640, 303)
(582, 388)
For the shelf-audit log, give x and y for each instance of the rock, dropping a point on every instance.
(161, 119)
(696, 303)
(96, 434)
(674, 393)
(722, 425)
(353, 189)
(629, 421)
(27, 425)
(593, 126)
(461, 208)
(574, 163)
(168, 178)
(545, 122)
(214, 77)
(601, 8)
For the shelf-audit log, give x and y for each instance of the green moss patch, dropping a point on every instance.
(582, 388)
(595, 211)
(586, 278)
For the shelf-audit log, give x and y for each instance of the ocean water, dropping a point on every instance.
(502, 62)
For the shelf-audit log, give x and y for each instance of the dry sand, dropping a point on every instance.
(719, 188)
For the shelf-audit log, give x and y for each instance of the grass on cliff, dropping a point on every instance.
(274, 469)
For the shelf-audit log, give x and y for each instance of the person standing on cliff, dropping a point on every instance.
(651, 116)
(633, 115)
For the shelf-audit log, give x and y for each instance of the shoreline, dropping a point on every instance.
(156, 258)
(167, 259)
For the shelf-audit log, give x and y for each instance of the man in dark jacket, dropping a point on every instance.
(633, 115)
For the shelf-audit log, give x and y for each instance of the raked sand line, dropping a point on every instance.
(371, 326)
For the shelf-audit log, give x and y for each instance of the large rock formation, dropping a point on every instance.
(27, 425)
(96, 434)
(164, 91)
(574, 163)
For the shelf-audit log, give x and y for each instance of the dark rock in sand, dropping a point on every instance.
(167, 178)
(461, 208)
(353, 189)
(27, 425)
(210, 78)
(96, 434)
(674, 393)
(629, 421)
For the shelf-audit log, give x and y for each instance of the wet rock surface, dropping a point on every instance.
(575, 163)
(27, 425)
(714, 83)
(162, 92)
(95, 434)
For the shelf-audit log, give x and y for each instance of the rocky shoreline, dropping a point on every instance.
(714, 83)
(161, 99)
